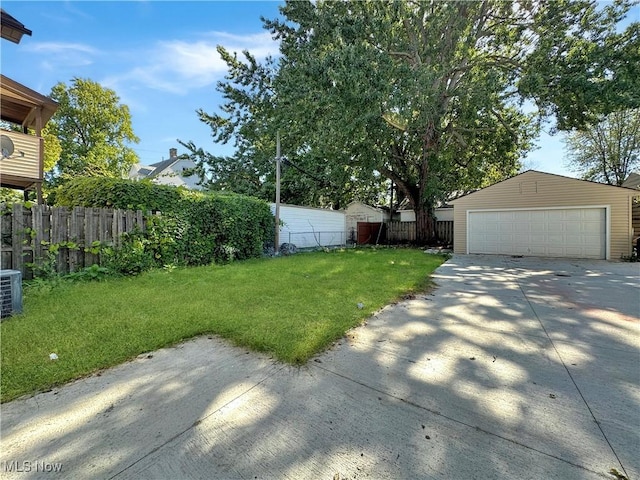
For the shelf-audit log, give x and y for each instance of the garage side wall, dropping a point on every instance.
(311, 227)
(537, 190)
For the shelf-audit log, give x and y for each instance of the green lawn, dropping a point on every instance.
(291, 307)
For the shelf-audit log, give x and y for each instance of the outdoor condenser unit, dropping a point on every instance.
(10, 292)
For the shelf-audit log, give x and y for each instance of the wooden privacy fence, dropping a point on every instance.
(27, 234)
(406, 231)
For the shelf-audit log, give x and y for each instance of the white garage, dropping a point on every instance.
(561, 232)
(542, 214)
(307, 227)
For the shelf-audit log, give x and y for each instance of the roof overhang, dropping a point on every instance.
(20, 104)
(12, 29)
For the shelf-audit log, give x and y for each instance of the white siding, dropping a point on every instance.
(441, 214)
(407, 215)
(444, 214)
(359, 212)
(311, 227)
(173, 176)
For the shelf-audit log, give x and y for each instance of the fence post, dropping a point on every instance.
(76, 234)
(18, 237)
(89, 235)
(41, 227)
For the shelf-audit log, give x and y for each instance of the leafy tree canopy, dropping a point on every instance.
(427, 94)
(583, 65)
(93, 129)
(606, 151)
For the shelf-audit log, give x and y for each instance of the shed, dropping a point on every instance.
(311, 227)
(358, 212)
(542, 214)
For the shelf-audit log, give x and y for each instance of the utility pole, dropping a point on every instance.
(277, 239)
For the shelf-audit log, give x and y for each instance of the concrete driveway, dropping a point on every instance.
(509, 368)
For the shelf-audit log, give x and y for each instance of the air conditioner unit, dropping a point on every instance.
(10, 292)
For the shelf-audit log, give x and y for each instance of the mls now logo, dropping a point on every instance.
(27, 466)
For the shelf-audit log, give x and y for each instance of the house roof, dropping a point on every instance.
(531, 172)
(161, 166)
(371, 207)
(12, 29)
(19, 103)
(632, 181)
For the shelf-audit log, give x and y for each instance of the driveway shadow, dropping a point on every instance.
(499, 372)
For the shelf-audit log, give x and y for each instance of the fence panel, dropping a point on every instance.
(398, 232)
(444, 231)
(28, 232)
(401, 231)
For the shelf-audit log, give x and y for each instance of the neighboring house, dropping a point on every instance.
(21, 164)
(442, 214)
(311, 227)
(167, 172)
(542, 214)
(632, 181)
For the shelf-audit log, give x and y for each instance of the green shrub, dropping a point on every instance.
(102, 192)
(193, 228)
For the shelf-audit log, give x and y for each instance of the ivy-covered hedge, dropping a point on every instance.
(192, 228)
(102, 192)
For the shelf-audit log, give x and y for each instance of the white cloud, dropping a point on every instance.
(176, 66)
(59, 48)
(63, 54)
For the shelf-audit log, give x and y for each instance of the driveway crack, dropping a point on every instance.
(196, 423)
(575, 384)
(459, 422)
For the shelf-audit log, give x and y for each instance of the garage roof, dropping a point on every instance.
(530, 172)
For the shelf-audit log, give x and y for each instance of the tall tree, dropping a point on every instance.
(418, 91)
(606, 151)
(428, 94)
(246, 121)
(94, 131)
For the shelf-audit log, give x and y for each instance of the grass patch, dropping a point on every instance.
(290, 307)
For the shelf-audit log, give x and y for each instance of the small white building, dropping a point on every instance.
(167, 172)
(442, 214)
(358, 212)
(311, 227)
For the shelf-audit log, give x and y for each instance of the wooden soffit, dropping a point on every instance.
(20, 104)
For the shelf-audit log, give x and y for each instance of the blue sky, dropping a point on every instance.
(160, 58)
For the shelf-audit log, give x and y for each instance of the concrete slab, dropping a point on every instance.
(510, 368)
(97, 426)
(314, 424)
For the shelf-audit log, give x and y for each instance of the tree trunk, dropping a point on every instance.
(425, 225)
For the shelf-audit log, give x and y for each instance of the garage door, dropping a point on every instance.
(572, 232)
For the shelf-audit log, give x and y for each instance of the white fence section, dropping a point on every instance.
(311, 227)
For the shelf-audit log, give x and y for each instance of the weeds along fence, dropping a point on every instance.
(397, 232)
(29, 233)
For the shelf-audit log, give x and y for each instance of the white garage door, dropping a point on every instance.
(572, 232)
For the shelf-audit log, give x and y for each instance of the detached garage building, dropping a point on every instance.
(546, 215)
